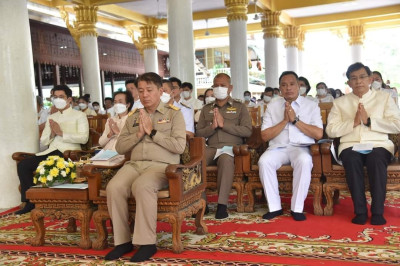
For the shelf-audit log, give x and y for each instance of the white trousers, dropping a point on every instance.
(301, 161)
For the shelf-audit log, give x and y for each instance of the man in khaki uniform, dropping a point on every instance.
(155, 136)
(224, 122)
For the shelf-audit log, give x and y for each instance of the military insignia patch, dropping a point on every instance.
(163, 121)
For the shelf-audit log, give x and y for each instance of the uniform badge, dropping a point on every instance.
(231, 110)
(163, 120)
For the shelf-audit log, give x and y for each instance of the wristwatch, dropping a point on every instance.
(368, 124)
(152, 133)
(295, 120)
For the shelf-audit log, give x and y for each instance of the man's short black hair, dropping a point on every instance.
(321, 83)
(108, 99)
(85, 98)
(269, 89)
(128, 97)
(151, 77)
(355, 67)
(174, 79)
(248, 92)
(285, 73)
(187, 85)
(130, 81)
(64, 88)
(95, 103)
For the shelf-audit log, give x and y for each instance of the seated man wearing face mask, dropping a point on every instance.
(123, 102)
(322, 93)
(224, 122)
(168, 98)
(247, 99)
(65, 129)
(84, 106)
(187, 96)
(267, 97)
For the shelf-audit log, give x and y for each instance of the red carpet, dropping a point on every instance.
(242, 239)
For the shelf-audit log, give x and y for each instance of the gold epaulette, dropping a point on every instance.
(174, 107)
(132, 112)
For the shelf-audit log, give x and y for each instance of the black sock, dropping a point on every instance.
(270, 215)
(221, 212)
(298, 216)
(145, 252)
(28, 207)
(377, 219)
(360, 219)
(119, 251)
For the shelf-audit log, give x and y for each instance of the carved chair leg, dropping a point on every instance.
(251, 195)
(85, 217)
(177, 246)
(328, 191)
(239, 192)
(336, 195)
(37, 216)
(99, 219)
(71, 227)
(317, 191)
(201, 227)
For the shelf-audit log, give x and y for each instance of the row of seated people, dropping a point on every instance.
(155, 135)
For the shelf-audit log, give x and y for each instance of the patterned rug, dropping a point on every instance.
(241, 239)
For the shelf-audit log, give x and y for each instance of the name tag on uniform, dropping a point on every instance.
(231, 110)
(163, 121)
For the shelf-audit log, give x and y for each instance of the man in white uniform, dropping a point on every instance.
(290, 124)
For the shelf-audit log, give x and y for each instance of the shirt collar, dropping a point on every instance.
(161, 107)
(230, 102)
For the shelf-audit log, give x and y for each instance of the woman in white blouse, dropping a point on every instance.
(123, 102)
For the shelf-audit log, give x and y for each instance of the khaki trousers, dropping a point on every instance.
(226, 167)
(142, 180)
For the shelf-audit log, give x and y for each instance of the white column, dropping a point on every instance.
(290, 34)
(239, 65)
(19, 130)
(150, 60)
(270, 24)
(180, 38)
(85, 26)
(91, 67)
(356, 39)
(291, 58)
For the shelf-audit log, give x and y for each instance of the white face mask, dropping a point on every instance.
(267, 99)
(247, 98)
(186, 94)
(76, 107)
(220, 93)
(302, 90)
(119, 108)
(83, 106)
(96, 108)
(321, 92)
(376, 85)
(59, 103)
(210, 99)
(165, 97)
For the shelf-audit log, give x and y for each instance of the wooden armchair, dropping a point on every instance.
(181, 199)
(285, 173)
(336, 179)
(96, 128)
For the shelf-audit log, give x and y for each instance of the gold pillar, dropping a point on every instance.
(84, 24)
(270, 24)
(301, 39)
(147, 40)
(236, 9)
(290, 35)
(356, 34)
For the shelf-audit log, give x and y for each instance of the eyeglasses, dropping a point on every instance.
(362, 77)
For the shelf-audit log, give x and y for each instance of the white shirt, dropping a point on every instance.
(109, 143)
(137, 104)
(188, 115)
(307, 111)
(327, 99)
(75, 127)
(196, 104)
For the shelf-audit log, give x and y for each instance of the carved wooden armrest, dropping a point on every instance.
(316, 158)
(326, 156)
(19, 156)
(96, 174)
(76, 155)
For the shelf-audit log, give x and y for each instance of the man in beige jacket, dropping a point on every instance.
(362, 120)
(154, 136)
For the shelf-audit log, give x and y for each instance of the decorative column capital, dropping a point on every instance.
(356, 34)
(149, 36)
(270, 23)
(86, 19)
(301, 39)
(291, 34)
(71, 28)
(236, 9)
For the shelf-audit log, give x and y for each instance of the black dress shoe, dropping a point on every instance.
(145, 252)
(222, 212)
(119, 251)
(271, 215)
(298, 216)
(28, 207)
